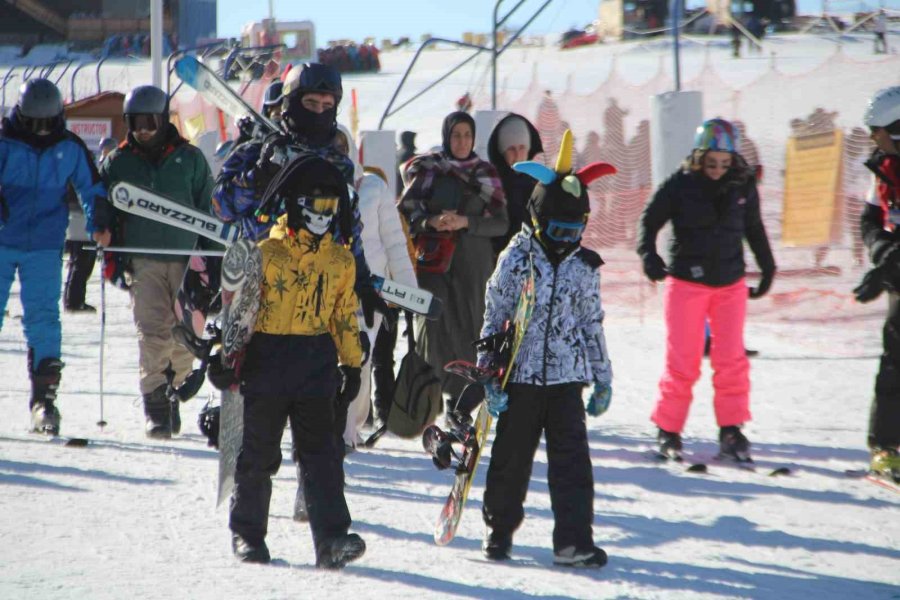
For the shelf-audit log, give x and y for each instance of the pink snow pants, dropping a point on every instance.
(687, 307)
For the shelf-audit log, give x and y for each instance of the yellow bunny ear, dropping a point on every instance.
(564, 159)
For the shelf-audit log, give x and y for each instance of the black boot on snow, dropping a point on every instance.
(247, 552)
(44, 385)
(592, 557)
(158, 410)
(339, 551)
(733, 444)
(496, 546)
(669, 444)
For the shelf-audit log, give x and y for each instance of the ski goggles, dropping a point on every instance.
(893, 130)
(146, 122)
(38, 125)
(563, 231)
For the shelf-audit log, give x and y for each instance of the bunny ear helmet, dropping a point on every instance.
(563, 169)
(535, 169)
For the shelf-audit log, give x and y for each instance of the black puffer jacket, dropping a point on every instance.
(710, 220)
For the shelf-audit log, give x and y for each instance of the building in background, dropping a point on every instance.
(108, 26)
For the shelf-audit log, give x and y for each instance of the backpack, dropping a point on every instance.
(417, 396)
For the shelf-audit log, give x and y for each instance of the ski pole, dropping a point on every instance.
(102, 255)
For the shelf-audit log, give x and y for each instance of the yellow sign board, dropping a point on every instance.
(812, 189)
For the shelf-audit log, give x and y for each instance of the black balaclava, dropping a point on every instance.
(451, 121)
(317, 129)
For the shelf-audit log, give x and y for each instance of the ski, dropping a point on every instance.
(218, 93)
(146, 203)
(415, 299)
(677, 459)
(872, 477)
(72, 442)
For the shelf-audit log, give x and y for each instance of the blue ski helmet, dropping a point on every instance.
(717, 135)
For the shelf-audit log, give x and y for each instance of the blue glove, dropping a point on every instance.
(495, 397)
(601, 396)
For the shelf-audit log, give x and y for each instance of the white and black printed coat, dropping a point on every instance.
(564, 341)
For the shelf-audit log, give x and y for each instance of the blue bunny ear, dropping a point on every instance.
(545, 175)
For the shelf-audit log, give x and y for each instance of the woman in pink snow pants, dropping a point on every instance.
(713, 205)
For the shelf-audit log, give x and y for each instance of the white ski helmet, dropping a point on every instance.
(883, 108)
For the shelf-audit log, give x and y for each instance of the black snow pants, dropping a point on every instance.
(289, 380)
(78, 271)
(558, 412)
(884, 419)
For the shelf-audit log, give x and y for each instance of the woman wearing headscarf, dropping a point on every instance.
(454, 203)
(513, 140)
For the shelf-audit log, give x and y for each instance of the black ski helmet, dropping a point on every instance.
(146, 100)
(40, 99)
(273, 93)
(314, 77)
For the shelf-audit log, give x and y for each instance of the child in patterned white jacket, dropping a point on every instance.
(562, 351)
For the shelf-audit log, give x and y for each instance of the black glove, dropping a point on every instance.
(654, 267)
(372, 302)
(871, 286)
(272, 158)
(218, 375)
(765, 283)
(351, 380)
(246, 125)
(366, 347)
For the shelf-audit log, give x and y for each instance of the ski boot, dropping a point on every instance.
(885, 463)
(158, 410)
(244, 551)
(592, 557)
(44, 385)
(339, 551)
(734, 445)
(669, 445)
(496, 546)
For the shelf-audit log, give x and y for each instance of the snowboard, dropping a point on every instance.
(242, 277)
(505, 345)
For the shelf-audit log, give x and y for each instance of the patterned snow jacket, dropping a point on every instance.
(308, 290)
(564, 341)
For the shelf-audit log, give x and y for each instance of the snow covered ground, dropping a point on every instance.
(129, 517)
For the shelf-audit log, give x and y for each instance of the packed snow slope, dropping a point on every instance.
(130, 517)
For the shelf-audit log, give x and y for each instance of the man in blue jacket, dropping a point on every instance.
(39, 162)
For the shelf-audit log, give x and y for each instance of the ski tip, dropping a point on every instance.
(780, 471)
(697, 468)
(76, 442)
(186, 68)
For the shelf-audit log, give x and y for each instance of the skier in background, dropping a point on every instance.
(882, 237)
(39, 161)
(310, 98)
(563, 350)
(713, 205)
(156, 157)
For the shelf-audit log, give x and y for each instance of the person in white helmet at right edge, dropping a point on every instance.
(880, 219)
